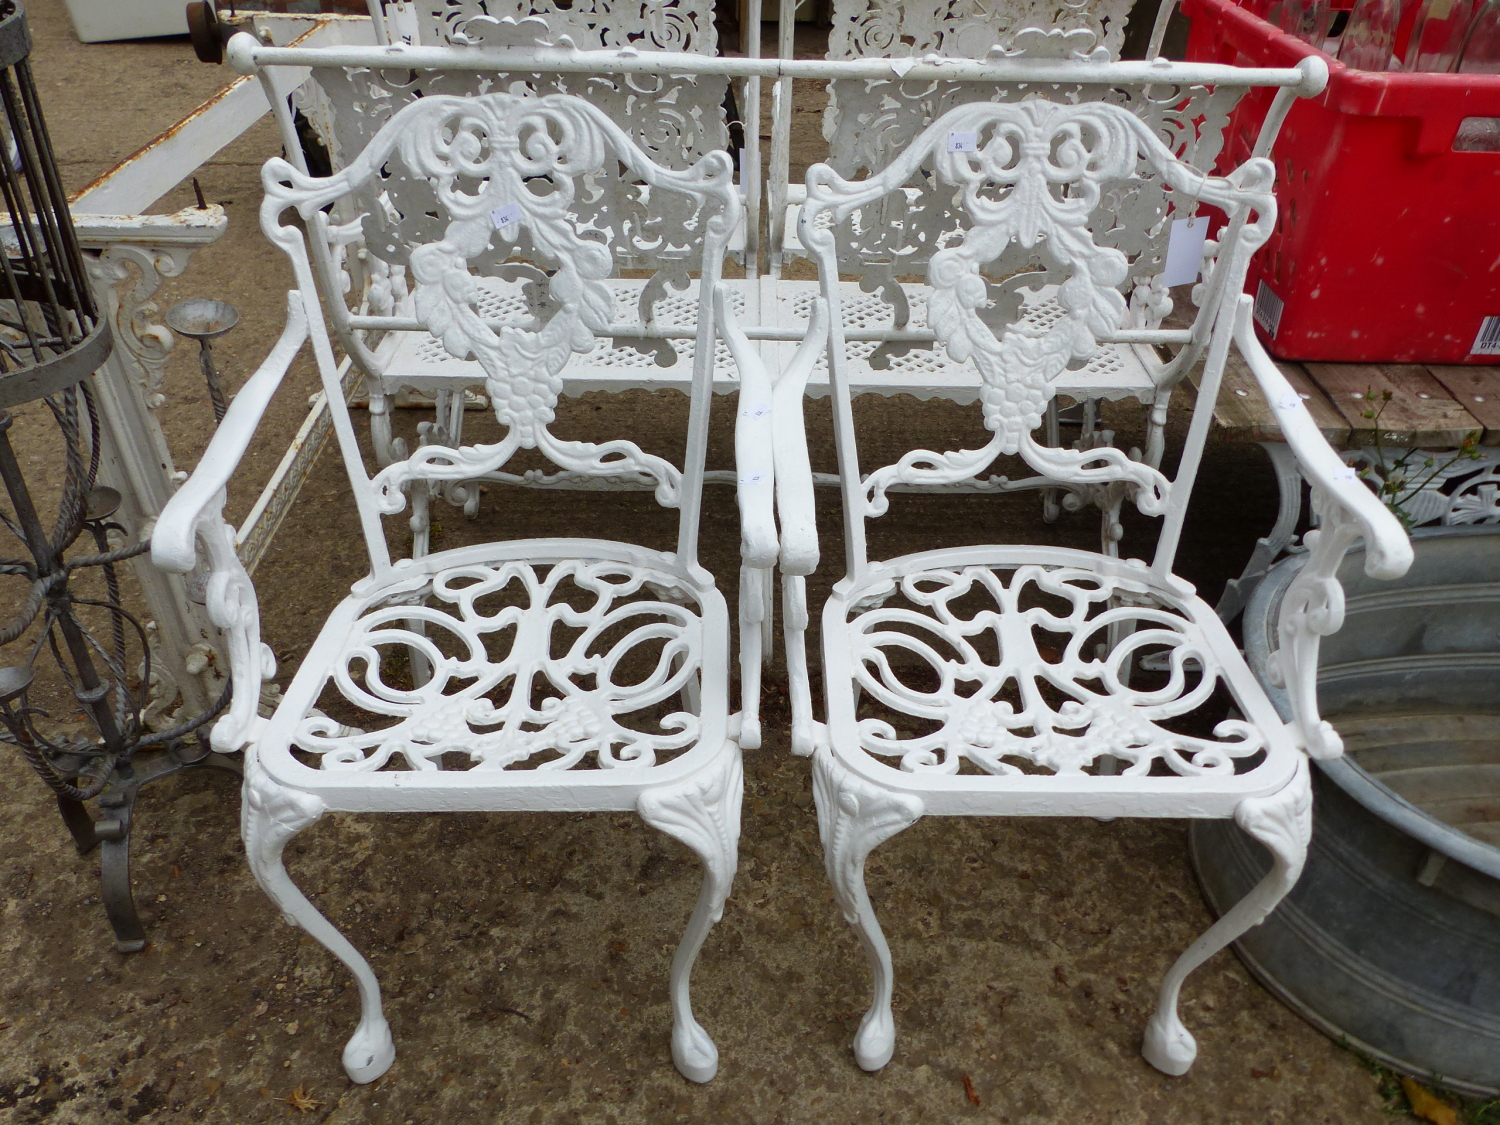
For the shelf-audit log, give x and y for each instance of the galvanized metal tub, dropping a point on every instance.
(1391, 940)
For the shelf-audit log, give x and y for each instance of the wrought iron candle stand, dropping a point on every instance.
(52, 338)
(204, 319)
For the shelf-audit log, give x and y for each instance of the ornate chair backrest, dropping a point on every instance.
(868, 124)
(503, 181)
(1034, 181)
(675, 119)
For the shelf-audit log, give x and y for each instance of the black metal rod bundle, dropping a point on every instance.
(52, 339)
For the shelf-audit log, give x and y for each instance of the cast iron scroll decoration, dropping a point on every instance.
(868, 123)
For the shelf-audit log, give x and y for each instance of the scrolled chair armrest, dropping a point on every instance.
(754, 456)
(1313, 605)
(172, 541)
(771, 447)
(195, 513)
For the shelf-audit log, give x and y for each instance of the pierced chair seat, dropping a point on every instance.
(1008, 673)
(570, 661)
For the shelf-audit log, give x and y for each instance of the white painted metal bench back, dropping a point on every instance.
(658, 25)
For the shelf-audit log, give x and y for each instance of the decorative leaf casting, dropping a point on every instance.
(1455, 491)
(1048, 700)
(131, 274)
(676, 120)
(557, 688)
(529, 160)
(868, 123)
(1034, 181)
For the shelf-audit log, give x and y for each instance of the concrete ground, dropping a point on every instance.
(525, 956)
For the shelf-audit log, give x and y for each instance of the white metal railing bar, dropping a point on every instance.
(766, 332)
(247, 57)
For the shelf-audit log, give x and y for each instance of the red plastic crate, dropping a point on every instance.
(1387, 240)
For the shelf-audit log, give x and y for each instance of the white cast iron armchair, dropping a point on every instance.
(573, 674)
(1008, 680)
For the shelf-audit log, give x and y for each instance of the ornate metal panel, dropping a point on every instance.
(544, 667)
(868, 123)
(1004, 670)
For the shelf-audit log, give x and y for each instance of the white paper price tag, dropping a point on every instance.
(756, 410)
(1289, 400)
(754, 476)
(903, 66)
(1185, 251)
(403, 23)
(1346, 473)
(963, 140)
(503, 217)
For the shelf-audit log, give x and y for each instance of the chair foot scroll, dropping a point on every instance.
(704, 813)
(1283, 823)
(272, 815)
(853, 817)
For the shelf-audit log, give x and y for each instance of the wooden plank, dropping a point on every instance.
(1243, 414)
(136, 183)
(1420, 412)
(1478, 389)
(133, 185)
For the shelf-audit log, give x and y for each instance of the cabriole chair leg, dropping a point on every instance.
(704, 814)
(853, 817)
(1283, 823)
(272, 816)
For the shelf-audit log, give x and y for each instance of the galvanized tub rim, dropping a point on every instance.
(1375, 796)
